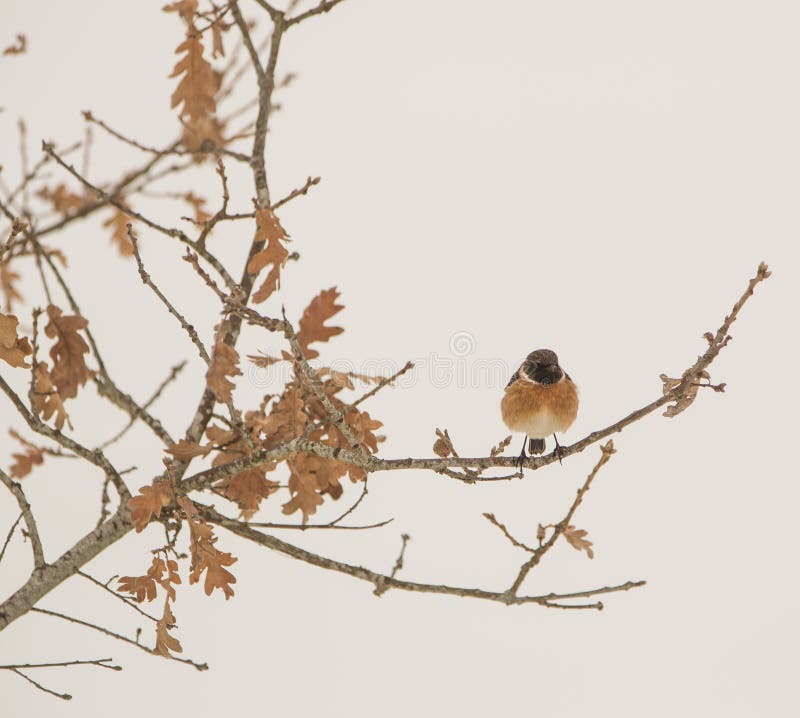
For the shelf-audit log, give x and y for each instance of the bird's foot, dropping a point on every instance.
(559, 452)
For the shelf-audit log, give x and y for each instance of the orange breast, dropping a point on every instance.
(539, 410)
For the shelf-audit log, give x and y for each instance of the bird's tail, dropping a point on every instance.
(535, 446)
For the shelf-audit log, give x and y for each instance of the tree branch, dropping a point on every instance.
(30, 522)
(384, 582)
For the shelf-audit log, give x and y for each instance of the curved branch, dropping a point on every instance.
(30, 522)
(383, 582)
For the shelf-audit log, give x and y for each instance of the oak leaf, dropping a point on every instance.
(24, 462)
(69, 365)
(201, 216)
(197, 87)
(269, 232)
(443, 446)
(118, 224)
(62, 200)
(187, 450)
(205, 556)
(686, 399)
(161, 573)
(46, 400)
(13, 348)
(501, 447)
(164, 642)
(286, 420)
(8, 281)
(185, 8)
(262, 360)
(577, 539)
(224, 364)
(312, 323)
(303, 485)
(153, 498)
(248, 489)
(18, 47)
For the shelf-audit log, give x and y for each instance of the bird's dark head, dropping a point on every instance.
(542, 367)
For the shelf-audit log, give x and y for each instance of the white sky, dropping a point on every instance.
(599, 178)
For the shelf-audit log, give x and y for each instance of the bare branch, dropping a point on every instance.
(188, 328)
(118, 636)
(491, 519)
(10, 535)
(386, 582)
(561, 526)
(173, 374)
(324, 6)
(30, 522)
(104, 586)
(63, 696)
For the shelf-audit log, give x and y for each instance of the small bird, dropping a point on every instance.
(539, 400)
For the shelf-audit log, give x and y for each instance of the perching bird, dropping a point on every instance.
(539, 400)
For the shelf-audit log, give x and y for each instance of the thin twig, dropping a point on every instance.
(398, 564)
(30, 522)
(382, 383)
(606, 451)
(119, 637)
(63, 696)
(324, 6)
(491, 518)
(173, 374)
(377, 579)
(127, 602)
(10, 535)
(188, 328)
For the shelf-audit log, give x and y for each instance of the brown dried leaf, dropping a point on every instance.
(164, 642)
(224, 364)
(263, 360)
(187, 450)
(24, 463)
(197, 87)
(271, 233)
(46, 400)
(153, 498)
(501, 447)
(312, 323)
(577, 539)
(443, 446)
(340, 379)
(118, 223)
(304, 483)
(161, 572)
(205, 556)
(69, 365)
(8, 280)
(185, 8)
(217, 48)
(143, 588)
(685, 400)
(13, 348)
(286, 420)
(18, 47)
(248, 489)
(198, 205)
(63, 201)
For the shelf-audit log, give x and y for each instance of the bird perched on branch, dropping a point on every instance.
(540, 399)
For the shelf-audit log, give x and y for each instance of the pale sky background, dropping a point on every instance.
(601, 178)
